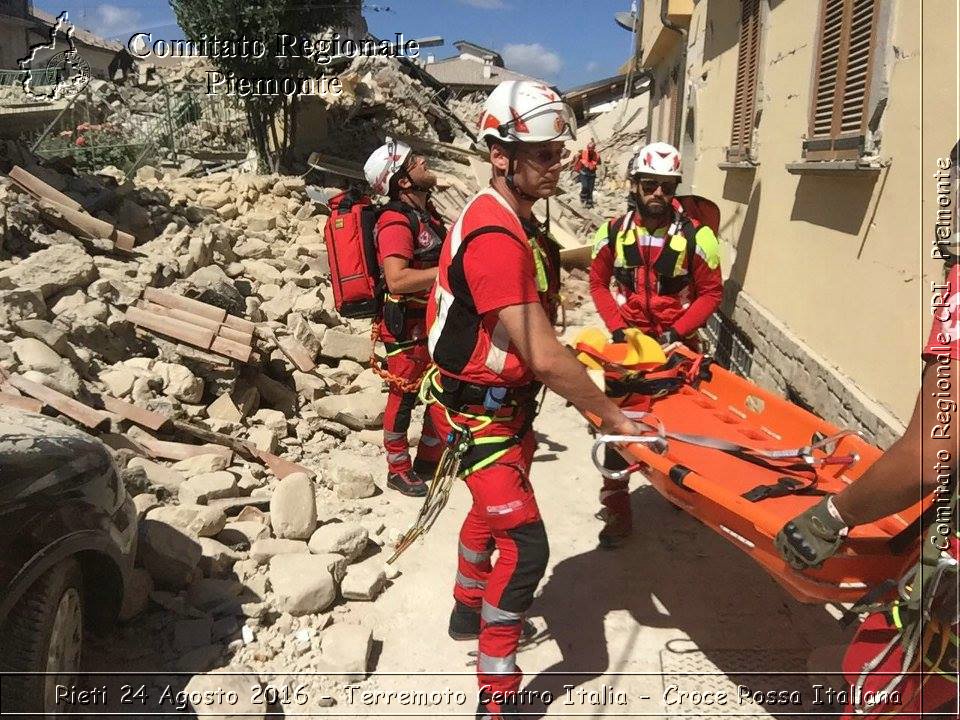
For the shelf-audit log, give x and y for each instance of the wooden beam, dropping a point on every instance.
(20, 402)
(139, 415)
(188, 317)
(280, 467)
(178, 302)
(86, 416)
(231, 349)
(40, 190)
(80, 222)
(177, 329)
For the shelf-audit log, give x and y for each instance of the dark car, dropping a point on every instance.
(68, 533)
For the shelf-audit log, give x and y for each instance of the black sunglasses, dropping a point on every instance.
(669, 187)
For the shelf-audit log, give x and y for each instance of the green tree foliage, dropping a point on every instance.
(273, 118)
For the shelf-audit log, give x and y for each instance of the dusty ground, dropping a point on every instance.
(610, 621)
(620, 633)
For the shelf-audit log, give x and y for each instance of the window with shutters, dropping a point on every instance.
(745, 93)
(841, 91)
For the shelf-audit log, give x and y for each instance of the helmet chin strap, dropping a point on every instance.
(509, 177)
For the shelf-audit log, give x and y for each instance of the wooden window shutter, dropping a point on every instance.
(745, 94)
(838, 115)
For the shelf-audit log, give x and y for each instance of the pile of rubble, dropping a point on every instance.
(252, 476)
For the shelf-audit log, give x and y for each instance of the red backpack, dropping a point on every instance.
(350, 237)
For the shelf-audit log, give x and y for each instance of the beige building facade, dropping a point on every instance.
(817, 126)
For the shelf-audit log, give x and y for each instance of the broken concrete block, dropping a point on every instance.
(263, 550)
(353, 483)
(170, 479)
(301, 584)
(46, 333)
(201, 464)
(217, 558)
(357, 411)
(347, 539)
(35, 355)
(179, 382)
(363, 581)
(263, 439)
(262, 271)
(118, 380)
(51, 271)
(338, 344)
(346, 649)
(234, 406)
(293, 508)
(169, 555)
(194, 520)
(208, 486)
(261, 222)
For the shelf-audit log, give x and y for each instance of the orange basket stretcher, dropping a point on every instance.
(724, 410)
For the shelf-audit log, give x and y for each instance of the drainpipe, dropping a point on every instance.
(642, 73)
(682, 72)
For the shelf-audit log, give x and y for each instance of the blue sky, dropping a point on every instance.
(567, 42)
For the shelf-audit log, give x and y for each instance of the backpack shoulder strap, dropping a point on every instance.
(413, 220)
(613, 229)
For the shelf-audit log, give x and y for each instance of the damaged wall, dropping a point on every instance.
(834, 257)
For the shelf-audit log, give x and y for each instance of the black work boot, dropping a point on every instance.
(465, 624)
(425, 469)
(407, 483)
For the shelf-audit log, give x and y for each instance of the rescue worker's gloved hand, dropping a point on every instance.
(619, 336)
(811, 537)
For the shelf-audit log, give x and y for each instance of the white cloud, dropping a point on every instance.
(113, 20)
(485, 4)
(532, 59)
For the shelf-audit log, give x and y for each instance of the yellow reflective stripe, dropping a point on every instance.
(539, 262)
(679, 243)
(600, 239)
(710, 246)
(895, 614)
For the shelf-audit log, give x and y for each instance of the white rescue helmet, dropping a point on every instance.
(657, 158)
(383, 163)
(526, 111)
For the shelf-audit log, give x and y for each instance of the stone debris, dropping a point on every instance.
(301, 583)
(188, 319)
(293, 508)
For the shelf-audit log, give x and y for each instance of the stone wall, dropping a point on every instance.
(783, 363)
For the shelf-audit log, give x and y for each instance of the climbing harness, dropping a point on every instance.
(402, 384)
(925, 608)
(465, 453)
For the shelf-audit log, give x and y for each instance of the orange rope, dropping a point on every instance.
(400, 383)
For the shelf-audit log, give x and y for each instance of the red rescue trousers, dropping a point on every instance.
(504, 517)
(408, 364)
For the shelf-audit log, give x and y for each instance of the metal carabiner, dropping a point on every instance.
(659, 443)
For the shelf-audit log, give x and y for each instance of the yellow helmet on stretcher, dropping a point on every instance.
(639, 352)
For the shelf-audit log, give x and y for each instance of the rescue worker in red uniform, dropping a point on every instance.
(492, 339)
(664, 268)
(409, 233)
(917, 634)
